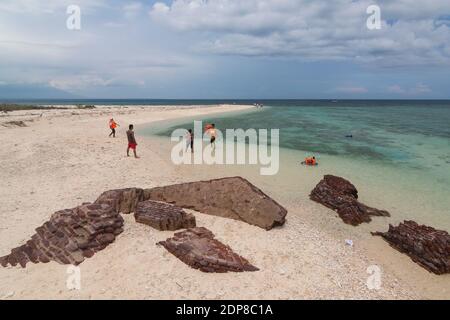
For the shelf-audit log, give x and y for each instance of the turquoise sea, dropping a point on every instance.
(399, 151)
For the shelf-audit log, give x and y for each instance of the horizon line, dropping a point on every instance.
(223, 99)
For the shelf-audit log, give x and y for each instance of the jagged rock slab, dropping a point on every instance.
(70, 236)
(340, 195)
(163, 216)
(122, 200)
(198, 249)
(234, 198)
(426, 246)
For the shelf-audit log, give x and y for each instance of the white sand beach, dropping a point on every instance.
(62, 158)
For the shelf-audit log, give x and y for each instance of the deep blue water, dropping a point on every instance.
(274, 103)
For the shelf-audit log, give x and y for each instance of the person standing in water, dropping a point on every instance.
(113, 125)
(213, 133)
(132, 144)
(190, 141)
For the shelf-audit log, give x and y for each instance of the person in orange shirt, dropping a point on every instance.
(310, 161)
(113, 125)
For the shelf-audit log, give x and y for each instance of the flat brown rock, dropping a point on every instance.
(426, 246)
(340, 195)
(122, 200)
(163, 216)
(198, 249)
(69, 236)
(234, 198)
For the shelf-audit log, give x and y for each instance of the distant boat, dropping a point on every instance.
(334, 101)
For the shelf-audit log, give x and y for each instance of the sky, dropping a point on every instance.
(225, 49)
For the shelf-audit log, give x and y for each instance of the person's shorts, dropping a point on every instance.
(132, 146)
(213, 139)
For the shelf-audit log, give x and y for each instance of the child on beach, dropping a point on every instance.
(113, 125)
(132, 144)
(190, 141)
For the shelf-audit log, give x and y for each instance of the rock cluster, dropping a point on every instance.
(72, 235)
(234, 198)
(340, 195)
(197, 248)
(426, 246)
(163, 216)
(69, 236)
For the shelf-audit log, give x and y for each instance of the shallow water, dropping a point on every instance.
(399, 156)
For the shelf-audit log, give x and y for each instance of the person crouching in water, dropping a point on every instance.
(132, 144)
(310, 161)
(113, 125)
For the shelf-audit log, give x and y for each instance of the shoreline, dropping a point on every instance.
(64, 159)
(30, 115)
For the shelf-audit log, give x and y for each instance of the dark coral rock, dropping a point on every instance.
(198, 249)
(122, 200)
(340, 195)
(426, 246)
(69, 237)
(163, 216)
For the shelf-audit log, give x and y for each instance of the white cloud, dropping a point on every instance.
(396, 89)
(421, 88)
(160, 8)
(132, 9)
(418, 89)
(79, 83)
(352, 90)
(76, 83)
(315, 30)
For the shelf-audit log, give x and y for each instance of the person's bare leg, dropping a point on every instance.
(128, 152)
(135, 154)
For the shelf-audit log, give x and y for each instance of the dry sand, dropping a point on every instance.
(64, 157)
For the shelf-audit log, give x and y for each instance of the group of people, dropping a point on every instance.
(132, 144)
(210, 129)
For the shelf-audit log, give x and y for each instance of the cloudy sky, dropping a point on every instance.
(225, 49)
